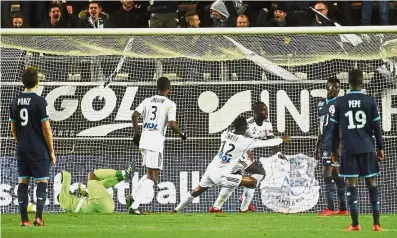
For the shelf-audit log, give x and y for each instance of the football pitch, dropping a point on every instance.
(195, 225)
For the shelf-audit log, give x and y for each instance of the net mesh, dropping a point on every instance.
(215, 78)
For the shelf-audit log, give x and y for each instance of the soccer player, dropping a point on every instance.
(219, 171)
(158, 111)
(31, 129)
(326, 108)
(97, 199)
(356, 116)
(259, 127)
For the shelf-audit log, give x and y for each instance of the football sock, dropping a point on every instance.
(102, 174)
(374, 197)
(224, 194)
(23, 200)
(41, 194)
(330, 192)
(341, 190)
(141, 193)
(110, 182)
(353, 204)
(186, 201)
(249, 195)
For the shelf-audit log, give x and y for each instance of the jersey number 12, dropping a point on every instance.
(357, 121)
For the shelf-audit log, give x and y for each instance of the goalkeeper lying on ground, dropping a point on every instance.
(97, 199)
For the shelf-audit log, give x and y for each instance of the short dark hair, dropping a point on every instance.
(163, 83)
(94, 2)
(190, 14)
(17, 15)
(30, 77)
(54, 5)
(355, 77)
(257, 104)
(333, 80)
(239, 122)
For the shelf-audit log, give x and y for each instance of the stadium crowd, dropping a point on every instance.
(172, 14)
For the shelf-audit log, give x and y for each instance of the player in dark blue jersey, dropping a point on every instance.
(357, 118)
(31, 129)
(326, 108)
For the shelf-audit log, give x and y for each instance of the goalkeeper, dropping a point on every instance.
(97, 200)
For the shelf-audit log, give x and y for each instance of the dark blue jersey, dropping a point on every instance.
(326, 109)
(28, 111)
(355, 112)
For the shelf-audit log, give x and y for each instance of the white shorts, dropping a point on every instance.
(210, 179)
(152, 159)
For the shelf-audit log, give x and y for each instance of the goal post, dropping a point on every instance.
(216, 73)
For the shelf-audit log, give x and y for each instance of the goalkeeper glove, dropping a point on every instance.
(281, 156)
(183, 136)
(137, 138)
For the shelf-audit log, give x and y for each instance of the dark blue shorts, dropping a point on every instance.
(326, 156)
(33, 166)
(360, 165)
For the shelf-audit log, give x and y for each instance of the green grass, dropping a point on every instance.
(195, 225)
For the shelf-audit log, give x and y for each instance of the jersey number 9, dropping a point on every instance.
(23, 114)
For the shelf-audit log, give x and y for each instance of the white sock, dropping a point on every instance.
(188, 199)
(140, 195)
(224, 194)
(138, 186)
(249, 193)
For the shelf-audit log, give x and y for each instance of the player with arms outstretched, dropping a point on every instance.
(97, 199)
(326, 108)
(157, 111)
(219, 172)
(357, 118)
(259, 127)
(31, 129)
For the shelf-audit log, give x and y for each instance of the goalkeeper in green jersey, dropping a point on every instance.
(97, 199)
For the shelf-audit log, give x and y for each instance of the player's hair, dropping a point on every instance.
(54, 5)
(257, 104)
(333, 80)
(163, 83)
(239, 122)
(30, 78)
(355, 77)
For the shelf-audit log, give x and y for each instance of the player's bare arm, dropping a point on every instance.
(175, 127)
(47, 132)
(137, 132)
(13, 130)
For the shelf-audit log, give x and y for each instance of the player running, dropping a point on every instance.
(97, 199)
(31, 129)
(219, 171)
(326, 108)
(356, 114)
(158, 111)
(259, 127)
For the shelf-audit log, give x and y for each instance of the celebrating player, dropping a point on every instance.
(259, 127)
(357, 116)
(219, 171)
(326, 108)
(157, 111)
(31, 129)
(97, 199)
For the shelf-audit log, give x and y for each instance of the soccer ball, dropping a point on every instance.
(31, 207)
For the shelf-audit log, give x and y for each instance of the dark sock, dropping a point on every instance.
(330, 192)
(353, 204)
(23, 200)
(341, 190)
(41, 194)
(374, 197)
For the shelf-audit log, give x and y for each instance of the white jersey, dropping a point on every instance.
(233, 147)
(262, 132)
(156, 112)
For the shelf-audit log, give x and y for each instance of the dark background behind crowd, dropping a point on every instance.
(172, 14)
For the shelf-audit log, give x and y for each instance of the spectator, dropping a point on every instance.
(163, 14)
(366, 12)
(17, 20)
(192, 19)
(130, 15)
(279, 19)
(219, 14)
(318, 20)
(56, 20)
(243, 21)
(95, 17)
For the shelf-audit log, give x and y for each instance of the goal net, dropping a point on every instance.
(215, 77)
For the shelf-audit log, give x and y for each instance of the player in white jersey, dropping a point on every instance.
(259, 127)
(219, 172)
(157, 111)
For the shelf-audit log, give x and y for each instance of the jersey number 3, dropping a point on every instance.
(154, 110)
(357, 121)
